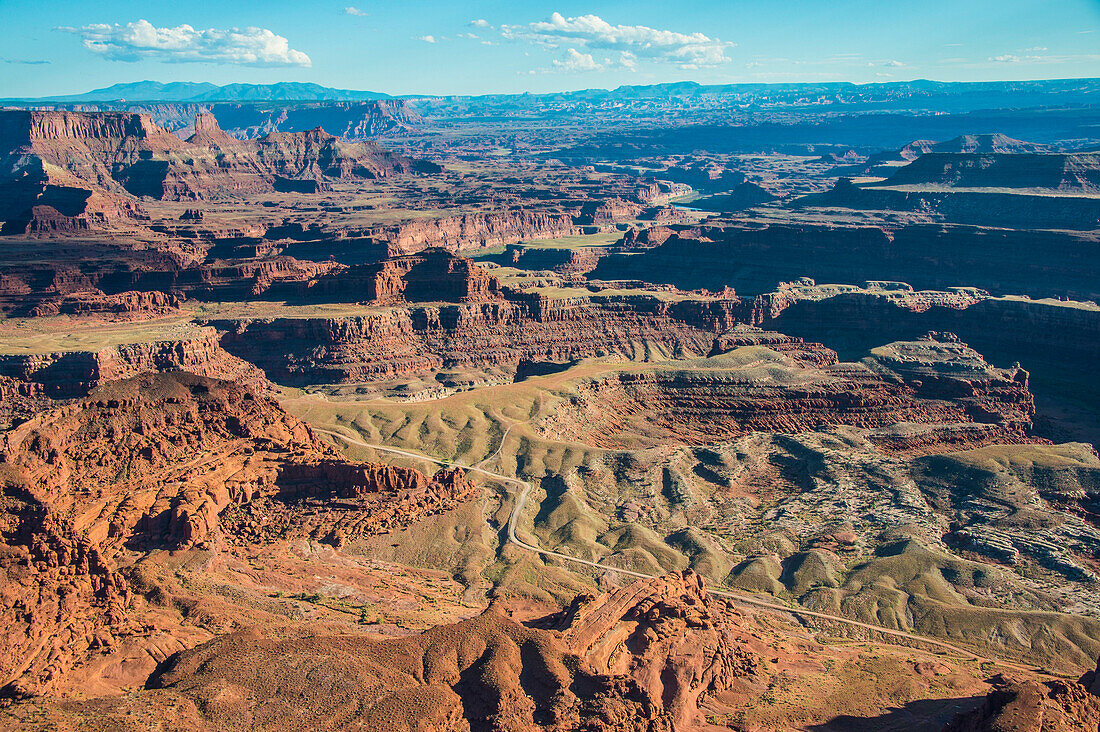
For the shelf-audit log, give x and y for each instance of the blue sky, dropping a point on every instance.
(449, 47)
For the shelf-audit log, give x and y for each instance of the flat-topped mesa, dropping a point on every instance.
(122, 306)
(1078, 173)
(883, 164)
(988, 143)
(755, 259)
(498, 334)
(68, 374)
(56, 168)
(434, 275)
(913, 397)
(95, 148)
(23, 127)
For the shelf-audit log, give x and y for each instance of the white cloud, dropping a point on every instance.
(352, 10)
(182, 44)
(1035, 49)
(575, 61)
(1049, 59)
(1010, 58)
(480, 23)
(688, 50)
(426, 39)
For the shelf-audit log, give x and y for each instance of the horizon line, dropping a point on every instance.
(410, 95)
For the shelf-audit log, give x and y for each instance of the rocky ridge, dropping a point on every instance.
(415, 339)
(149, 463)
(645, 657)
(755, 389)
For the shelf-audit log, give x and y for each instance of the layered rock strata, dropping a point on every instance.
(432, 275)
(755, 259)
(755, 390)
(69, 374)
(71, 170)
(503, 333)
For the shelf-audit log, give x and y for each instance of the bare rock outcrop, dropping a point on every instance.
(469, 232)
(151, 463)
(1022, 705)
(756, 259)
(492, 333)
(928, 383)
(642, 658)
(122, 306)
(434, 275)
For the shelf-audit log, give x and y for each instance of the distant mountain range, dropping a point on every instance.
(189, 91)
(923, 93)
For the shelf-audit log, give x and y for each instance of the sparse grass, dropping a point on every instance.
(1022, 457)
(64, 334)
(365, 613)
(577, 241)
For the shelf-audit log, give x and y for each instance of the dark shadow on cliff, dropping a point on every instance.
(923, 715)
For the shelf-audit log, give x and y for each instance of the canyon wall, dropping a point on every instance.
(757, 260)
(418, 339)
(940, 383)
(69, 374)
(469, 232)
(116, 154)
(352, 121)
(993, 208)
(1069, 173)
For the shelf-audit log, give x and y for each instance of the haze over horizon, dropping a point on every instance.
(431, 47)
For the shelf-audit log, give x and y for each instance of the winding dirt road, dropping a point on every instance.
(521, 502)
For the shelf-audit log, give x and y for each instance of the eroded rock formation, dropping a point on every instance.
(646, 657)
(755, 389)
(1021, 705)
(70, 170)
(69, 374)
(756, 259)
(524, 327)
(433, 275)
(151, 463)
